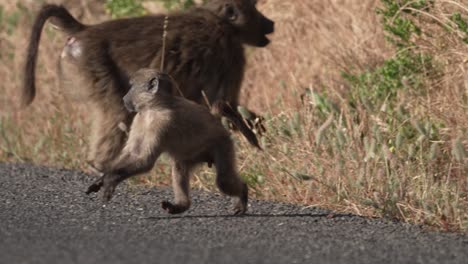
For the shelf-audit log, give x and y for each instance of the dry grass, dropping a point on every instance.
(312, 42)
(347, 160)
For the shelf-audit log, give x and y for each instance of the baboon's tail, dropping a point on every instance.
(221, 108)
(64, 20)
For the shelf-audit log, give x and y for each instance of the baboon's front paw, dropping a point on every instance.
(95, 187)
(173, 208)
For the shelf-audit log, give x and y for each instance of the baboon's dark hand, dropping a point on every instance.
(96, 186)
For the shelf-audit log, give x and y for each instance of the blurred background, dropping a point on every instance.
(365, 104)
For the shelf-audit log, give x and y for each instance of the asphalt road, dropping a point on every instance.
(45, 217)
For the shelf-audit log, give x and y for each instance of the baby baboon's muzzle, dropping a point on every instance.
(128, 103)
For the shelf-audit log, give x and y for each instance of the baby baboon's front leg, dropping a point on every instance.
(127, 165)
(109, 182)
(181, 187)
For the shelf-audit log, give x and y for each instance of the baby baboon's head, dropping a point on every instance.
(146, 86)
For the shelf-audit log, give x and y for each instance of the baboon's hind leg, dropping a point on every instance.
(108, 112)
(181, 187)
(105, 148)
(107, 139)
(227, 179)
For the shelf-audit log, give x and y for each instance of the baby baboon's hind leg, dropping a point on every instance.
(181, 187)
(227, 179)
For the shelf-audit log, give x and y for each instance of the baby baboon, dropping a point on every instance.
(187, 131)
(204, 53)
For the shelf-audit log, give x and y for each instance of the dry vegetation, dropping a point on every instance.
(354, 123)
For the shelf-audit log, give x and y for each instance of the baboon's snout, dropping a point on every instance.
(268, 26)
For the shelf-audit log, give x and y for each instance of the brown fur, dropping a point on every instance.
(187, 131)
(204, 52)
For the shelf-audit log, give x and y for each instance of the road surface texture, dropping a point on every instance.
(45, 217)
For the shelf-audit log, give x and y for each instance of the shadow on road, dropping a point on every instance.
(293, 215)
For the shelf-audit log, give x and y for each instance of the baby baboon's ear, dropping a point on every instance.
(153, 85)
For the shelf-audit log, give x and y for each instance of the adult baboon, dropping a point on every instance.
(187, 131)
(204, 53)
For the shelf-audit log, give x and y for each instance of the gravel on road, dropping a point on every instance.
(45, 217)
